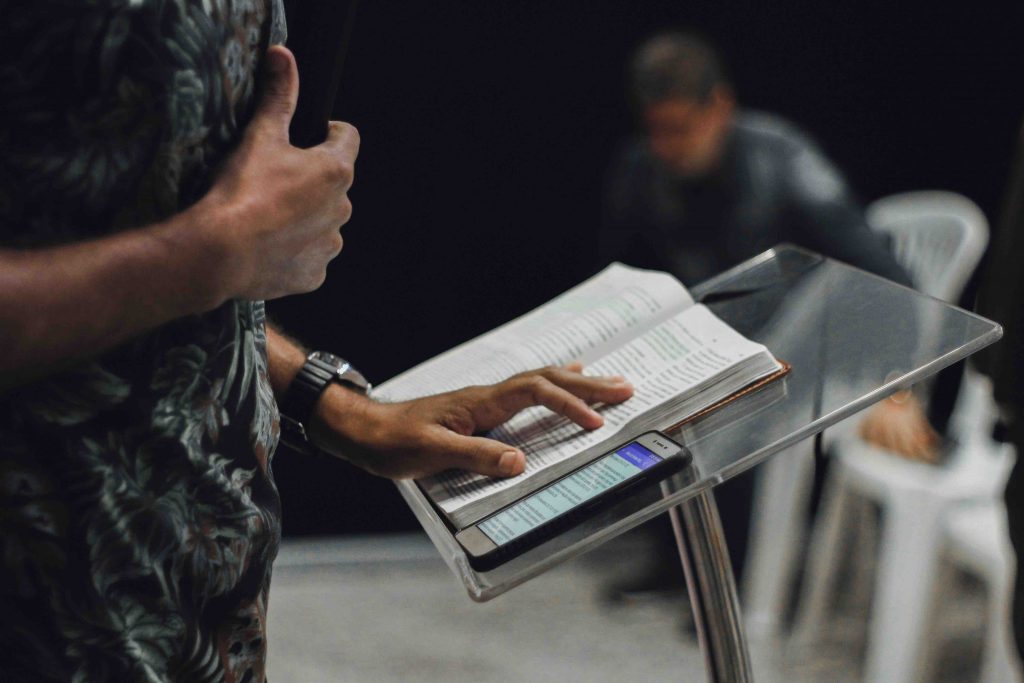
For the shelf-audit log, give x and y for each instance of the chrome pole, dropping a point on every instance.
(712, 589)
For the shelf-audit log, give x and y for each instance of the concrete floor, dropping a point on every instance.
(382, 609)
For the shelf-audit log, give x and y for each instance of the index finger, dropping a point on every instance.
(517, 394)
(564, 395)
(591, 389)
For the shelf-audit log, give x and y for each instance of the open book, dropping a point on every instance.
(641, 324)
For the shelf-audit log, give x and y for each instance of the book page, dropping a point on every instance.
(582, 324)
(672, 360)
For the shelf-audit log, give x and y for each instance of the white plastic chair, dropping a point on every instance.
(977, 540)
(917, 500)
(939, 237)
(778, 528)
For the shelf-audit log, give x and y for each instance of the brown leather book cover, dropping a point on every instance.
(750, 388)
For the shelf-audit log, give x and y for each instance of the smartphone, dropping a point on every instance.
(569, 500)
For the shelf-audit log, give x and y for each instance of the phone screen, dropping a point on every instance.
(563, 495)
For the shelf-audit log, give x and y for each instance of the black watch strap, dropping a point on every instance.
(304, 392)
(319, 370)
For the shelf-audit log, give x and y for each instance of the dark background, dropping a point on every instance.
(486, 126)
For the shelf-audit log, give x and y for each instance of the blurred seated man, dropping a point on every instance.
(708, 184)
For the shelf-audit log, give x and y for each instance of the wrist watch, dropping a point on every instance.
(320, 369)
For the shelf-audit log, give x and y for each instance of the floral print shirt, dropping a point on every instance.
(138, 513)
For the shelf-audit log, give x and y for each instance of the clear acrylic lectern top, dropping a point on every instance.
(852, 338)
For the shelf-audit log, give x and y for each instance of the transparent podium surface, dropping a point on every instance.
(851, 338)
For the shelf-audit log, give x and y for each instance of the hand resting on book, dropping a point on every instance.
(428, 435)
(680, 358)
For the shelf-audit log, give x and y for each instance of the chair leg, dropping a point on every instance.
(864, 520)
(778, 530)
(1000, 663)
(908, 558)
(824, 557)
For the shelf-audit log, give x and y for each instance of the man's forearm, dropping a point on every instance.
(285, 357)
(62, 304)
(267, 228)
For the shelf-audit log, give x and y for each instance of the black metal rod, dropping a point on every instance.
(319, 34)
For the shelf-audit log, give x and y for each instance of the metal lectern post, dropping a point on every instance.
(712, 589)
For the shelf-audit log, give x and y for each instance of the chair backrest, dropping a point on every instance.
(938, 237)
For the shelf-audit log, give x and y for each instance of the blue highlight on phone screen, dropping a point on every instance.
(577, 488)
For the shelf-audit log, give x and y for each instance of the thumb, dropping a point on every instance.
(484, 456)
(280, 91)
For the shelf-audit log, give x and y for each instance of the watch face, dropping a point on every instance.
(343, 370)
(329, 358)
